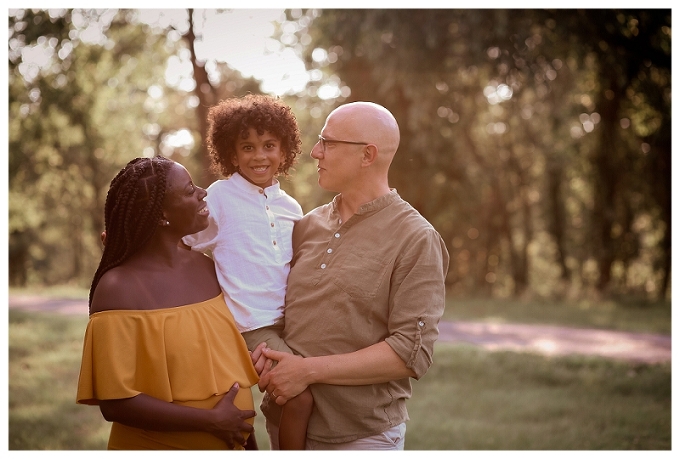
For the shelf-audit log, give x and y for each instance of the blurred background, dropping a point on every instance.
(537, 142)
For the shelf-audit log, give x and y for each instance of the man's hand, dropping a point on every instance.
(287, 379)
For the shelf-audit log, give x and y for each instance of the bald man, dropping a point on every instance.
(365, 293)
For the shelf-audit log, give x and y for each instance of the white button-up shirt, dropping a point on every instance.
(250, 236)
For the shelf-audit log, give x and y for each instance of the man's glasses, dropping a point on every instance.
(325, 141)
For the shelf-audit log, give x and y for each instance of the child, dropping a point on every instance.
(250, 141)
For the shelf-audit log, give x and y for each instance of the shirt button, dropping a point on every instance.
(267, 207)
(274, 242)
(323, 266)
(337, 234)
(329, 251)
(272, 225)
(261, 191)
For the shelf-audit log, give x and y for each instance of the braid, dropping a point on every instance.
(134, 206)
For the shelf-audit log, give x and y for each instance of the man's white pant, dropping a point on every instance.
(390, 440)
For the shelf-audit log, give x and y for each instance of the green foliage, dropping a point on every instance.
(514, 137)
(77, 123)
(537, 142)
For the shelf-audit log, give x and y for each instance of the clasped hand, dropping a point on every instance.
(285, 380)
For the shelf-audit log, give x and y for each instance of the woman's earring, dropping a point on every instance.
(165, 223)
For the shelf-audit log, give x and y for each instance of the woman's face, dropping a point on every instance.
(258, 157)
(183, 205)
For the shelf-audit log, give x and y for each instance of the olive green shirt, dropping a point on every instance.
(379, 276)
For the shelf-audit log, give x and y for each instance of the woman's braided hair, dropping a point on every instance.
(232, 118)
(134, 207)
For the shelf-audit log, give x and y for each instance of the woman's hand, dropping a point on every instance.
(287, 379)
(228, 423)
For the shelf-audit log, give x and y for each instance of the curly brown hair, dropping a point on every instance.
(233, 117)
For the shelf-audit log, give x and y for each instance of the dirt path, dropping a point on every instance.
(553, 340)
(542, 339)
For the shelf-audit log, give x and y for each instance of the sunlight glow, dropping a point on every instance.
(242, 39)
(495, 94)
(181, 141)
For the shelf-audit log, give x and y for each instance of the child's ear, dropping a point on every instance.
(234, 161)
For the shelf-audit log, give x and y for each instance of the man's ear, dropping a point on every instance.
(370, 155)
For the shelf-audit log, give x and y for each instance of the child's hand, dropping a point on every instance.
(259, 360)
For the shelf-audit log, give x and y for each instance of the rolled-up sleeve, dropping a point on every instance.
(417, 300)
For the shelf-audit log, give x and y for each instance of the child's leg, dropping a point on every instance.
(296, 412)
(294, 419)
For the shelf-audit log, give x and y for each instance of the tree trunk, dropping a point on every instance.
(206, 96)
(660, 175)
(605, 184)
(558, 220)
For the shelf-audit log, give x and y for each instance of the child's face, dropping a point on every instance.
(258, 157)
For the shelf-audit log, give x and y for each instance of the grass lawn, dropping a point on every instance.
(469, 400)
(472, 399)
(624, 315)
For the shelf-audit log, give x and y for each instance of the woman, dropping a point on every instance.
(163, 358)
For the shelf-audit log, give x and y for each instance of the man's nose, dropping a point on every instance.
(317, 151)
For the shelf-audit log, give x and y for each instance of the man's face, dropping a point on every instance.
(338, 156)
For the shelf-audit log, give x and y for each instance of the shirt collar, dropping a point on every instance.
(372, 206)
(248, 187)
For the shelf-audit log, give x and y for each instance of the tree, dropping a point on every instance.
(511, 119)
(87, 93)
(631, 53)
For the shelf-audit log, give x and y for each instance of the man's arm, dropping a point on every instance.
(377, 363)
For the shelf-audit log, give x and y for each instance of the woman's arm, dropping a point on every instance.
(225, 421)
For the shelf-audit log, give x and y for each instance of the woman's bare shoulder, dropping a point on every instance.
(141, 285)
(117, 289)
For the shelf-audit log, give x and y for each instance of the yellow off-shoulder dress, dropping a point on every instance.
(189, 355)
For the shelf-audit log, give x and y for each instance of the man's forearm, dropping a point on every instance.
(375, 364)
